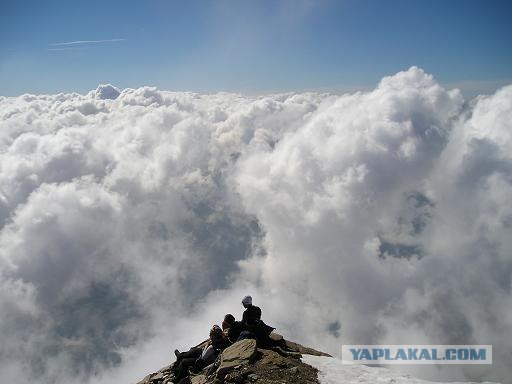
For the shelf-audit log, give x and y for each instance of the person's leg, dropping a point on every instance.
(281, 343)
(182, 369)
(199, 364)
(192, 352)
(245, 335)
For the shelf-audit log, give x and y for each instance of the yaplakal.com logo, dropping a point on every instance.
(417, 354)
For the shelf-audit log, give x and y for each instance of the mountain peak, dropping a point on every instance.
(243, 362)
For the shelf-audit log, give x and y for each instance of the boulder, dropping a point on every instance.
(238, 354)
(198, 379)
(273, 359)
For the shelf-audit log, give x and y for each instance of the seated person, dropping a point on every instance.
(198, 358)
(232, 328)
(228, 321)
(255, 327)
(252, 313)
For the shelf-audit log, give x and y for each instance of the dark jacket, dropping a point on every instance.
(235, 329)
(220, 344)
(261, 332)
(251, 315)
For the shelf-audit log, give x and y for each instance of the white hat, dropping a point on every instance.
(247, 300)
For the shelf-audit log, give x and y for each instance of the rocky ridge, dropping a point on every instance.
(243, 363)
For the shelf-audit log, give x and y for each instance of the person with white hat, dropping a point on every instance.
(252, 313)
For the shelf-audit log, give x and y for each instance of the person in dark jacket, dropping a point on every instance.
(198, 358)
(228, 321)
(252, 313)
(232, 328)
(255, 327)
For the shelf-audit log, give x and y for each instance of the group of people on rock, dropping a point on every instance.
(250, 327)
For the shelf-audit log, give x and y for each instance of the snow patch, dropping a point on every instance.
(332, 371)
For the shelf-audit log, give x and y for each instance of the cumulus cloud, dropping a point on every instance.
(105, 91)
(131, 220)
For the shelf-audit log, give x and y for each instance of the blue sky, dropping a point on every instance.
(251, 46)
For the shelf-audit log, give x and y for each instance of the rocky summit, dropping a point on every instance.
(243, 362)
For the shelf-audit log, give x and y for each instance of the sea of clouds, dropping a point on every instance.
(131, 221)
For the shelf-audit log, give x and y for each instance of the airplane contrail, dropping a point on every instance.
(86, 42)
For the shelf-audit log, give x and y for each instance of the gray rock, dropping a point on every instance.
(198, 379)
(238, 354)
(158, 377)
(145, 380)
(304, 350)
(166, 369)
(235, 377)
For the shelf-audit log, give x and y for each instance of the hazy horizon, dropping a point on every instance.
(251, 47)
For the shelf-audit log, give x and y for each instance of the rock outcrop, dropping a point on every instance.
(239, 354)
(244, 363)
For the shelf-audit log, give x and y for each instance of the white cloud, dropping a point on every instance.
(131, 220)
(105, 91)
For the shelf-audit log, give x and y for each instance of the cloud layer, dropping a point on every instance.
(131, 220)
